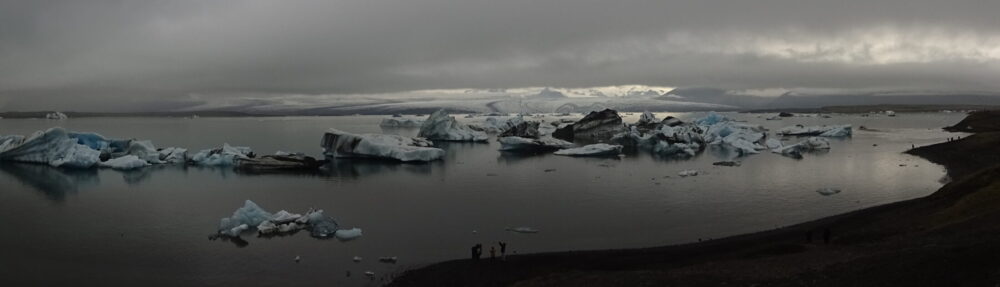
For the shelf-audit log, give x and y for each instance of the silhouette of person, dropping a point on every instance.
(493, 252)
(474, 255)
(503, 249)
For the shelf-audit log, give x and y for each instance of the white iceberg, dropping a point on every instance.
(125, 162)
(341, 144)
(542, 144)
(600, 149)
(688, 172)
(223, 156)
(824, 131)
(250, 215)
(441, 126)
(400, 123)
(808, 145)
(144, 149)
(348, 234)
(56, 116)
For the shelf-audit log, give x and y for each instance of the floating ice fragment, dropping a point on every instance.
(125, 163)
(688, 172)
(441, 126)
(522, 229)
(600, 149)
(341, 144)
(348, 234)
(826, 191)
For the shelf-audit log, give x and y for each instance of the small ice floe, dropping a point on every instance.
(297, 258)
(826, 191)
(348, 234)
(522, 229)
(125, 163)
(687, 173)
(388, 259)
(773, 143)
(370, 274)
(356, 259)
(595, 150)
(727, 163)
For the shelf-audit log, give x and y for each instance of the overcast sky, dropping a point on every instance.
(89, 54)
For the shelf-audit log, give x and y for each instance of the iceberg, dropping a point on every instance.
(773, 144)
(396, 123)
(173, 155)
(647, 121)
(522, 129)
(824, 131)
(441, 126)
(541, 144)
(500, 124)
(252, 216)
(54, 147)
(808, 145)
(269, 163)
(522, 229)
(341, 144)
(826, 191)
(125, 162)
(594, 126)
(348, 234)
(688, 172)
(592, 150)
(223, 156)
(56, 116)
(249, 215)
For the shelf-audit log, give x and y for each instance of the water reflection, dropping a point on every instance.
(356, 168)
(54, 183)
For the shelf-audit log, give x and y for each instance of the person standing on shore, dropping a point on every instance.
(503, 250)
(493, 252)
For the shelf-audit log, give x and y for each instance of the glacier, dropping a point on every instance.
(441, 126)
(341, 144)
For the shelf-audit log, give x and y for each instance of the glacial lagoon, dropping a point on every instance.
(153, 224)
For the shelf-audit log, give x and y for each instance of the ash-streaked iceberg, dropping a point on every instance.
(278, 163)
(530, 145)
(823, 131)
(440, 126)
(597, 126)
(600, 149)
(341, 144)
(495, 125)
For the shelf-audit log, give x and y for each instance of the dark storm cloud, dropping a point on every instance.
(121, 53)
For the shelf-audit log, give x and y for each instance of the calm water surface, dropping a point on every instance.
(151, 226)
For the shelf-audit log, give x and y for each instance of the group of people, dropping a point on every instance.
(477, 251)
